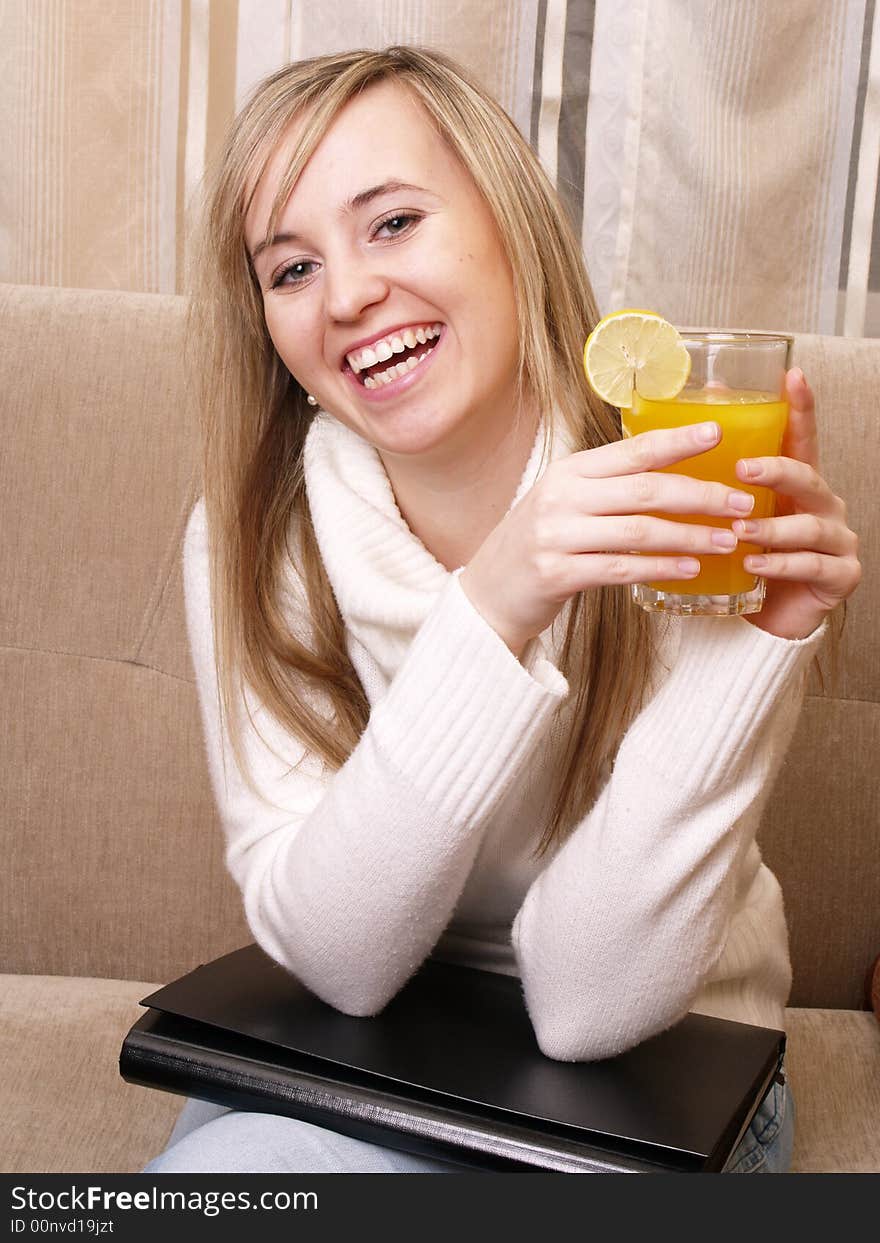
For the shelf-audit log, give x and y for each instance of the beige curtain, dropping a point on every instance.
(720, 159)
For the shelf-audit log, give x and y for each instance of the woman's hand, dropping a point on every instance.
(812, 559)
(585, 520)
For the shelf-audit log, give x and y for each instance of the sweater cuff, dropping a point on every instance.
(726, 679)
(463, 713)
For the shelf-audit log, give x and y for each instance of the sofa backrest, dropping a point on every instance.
(113, 849)
(116, 866)
(821, 829)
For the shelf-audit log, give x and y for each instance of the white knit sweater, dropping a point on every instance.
(658, 903)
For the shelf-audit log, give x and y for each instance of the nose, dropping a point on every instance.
(351, 286)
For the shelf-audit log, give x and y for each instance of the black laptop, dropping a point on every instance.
(451, 1069)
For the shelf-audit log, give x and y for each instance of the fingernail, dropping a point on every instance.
(723, 539)
(688, 565)
(741, 501)
(799, 375)
(745, 528)
(755, 563)
(750, 468)
(708, 433)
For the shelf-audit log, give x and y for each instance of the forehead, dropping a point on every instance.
(383, 134)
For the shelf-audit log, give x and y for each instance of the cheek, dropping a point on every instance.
(473, 286)
(273, 326)
(490, 278)
(290, 338)
(498, 315)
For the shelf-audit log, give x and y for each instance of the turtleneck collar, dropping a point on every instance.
(383, 577)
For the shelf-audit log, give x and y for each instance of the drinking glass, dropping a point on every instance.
(737, 379)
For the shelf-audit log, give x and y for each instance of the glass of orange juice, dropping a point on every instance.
(737, 379)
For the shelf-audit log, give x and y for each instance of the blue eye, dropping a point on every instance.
(300, 270)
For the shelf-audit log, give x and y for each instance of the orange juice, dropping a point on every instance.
(752, 425)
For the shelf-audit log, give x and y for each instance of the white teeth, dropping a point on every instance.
(380, 351)
(394, 373)
(387, 347)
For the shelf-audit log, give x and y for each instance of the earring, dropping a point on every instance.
(313, 401)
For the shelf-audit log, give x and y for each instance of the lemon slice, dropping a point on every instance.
(636, 350)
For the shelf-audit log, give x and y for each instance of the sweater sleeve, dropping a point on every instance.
(349, 877)
(617, 935)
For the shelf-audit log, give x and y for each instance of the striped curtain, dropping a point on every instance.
(718, 157)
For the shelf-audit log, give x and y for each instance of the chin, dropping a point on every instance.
(410, 434)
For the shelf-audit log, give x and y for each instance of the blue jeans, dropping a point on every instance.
(767, 1145)
(209, 1139)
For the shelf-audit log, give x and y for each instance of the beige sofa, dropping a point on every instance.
(114, 879)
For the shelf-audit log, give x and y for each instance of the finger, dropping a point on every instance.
(791, 478)
(656, 491)
(799, 532)
(647, 451)
(600, 569)
(801, 438)
(643, 533)
(835, 575)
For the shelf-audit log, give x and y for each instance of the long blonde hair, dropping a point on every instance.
(254, 420)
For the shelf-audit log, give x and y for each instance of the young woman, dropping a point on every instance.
(435, 721)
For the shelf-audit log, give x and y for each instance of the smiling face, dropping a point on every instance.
(387, 293)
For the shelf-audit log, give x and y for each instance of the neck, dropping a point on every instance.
(452, 500)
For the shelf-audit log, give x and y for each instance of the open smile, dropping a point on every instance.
(388, 364)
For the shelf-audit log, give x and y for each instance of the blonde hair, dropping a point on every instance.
(254, 420)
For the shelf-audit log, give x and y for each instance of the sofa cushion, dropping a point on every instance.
(65, 1107)
(833, 1064)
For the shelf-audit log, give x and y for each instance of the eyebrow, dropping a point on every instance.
(354, 204)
